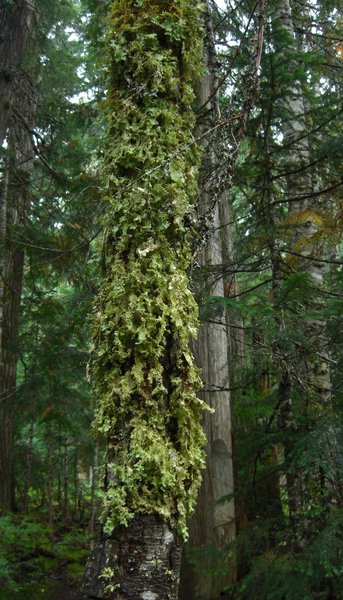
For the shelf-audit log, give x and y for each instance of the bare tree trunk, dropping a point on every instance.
(6, 432)
(27, 478)
(76, 482)
(144, 561)
(59, 474)
(212, 527)
(50, 476)
(16, 20)
(65, 479)
(307, 242)
(304, 213)
(14, 199)
(237, 354)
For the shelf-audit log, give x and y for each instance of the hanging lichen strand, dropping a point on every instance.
(144, 375)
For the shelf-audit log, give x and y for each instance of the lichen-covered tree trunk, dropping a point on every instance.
(212, 527)
(143, 371)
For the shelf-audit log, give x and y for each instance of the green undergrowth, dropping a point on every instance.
(279, 571)
(35, 558)
(270, 565)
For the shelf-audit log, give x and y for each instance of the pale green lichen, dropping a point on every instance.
(143, 371)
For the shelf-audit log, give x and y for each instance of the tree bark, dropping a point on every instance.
(16, 20)
(212, 527)
(65, 478)
(14, 200)
(6, 431)
(28, 469)
(50, 480)
(304, 213)
(309, 382)
(142, 561)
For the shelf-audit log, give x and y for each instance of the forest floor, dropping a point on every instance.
(60, 586)
(65, 590)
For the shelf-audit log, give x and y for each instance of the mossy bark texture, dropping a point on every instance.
(143, 371)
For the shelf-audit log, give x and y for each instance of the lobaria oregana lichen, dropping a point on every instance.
(143, 371)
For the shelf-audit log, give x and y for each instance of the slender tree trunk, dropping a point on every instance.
(50, 481)
(304, 213)
(65, 479)
(6, 431)
(28, 468)
(308, 242)
(59, 474)
(76, 482)
(237, 354)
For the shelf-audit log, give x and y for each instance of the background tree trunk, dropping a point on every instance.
(16, 21)
(28, 468)
(212, 527)
(306, 386)
(14, 199)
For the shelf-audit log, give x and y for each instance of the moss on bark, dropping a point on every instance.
(143, 371)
